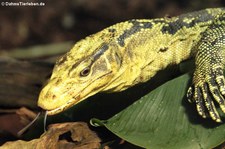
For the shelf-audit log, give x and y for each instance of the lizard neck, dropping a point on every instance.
(157, 55)
(144, 54)
(148, 46)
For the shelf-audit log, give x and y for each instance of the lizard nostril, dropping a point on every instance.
(53, 96)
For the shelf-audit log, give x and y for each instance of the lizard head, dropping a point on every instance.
(87, 69)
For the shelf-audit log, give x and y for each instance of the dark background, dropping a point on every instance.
(63, 20)
(60, 21)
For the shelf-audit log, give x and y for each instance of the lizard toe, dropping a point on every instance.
(199, 102)
(218, 97)
(221, 83)
(221, 93)
(209, 103)
(217, 86)
(220, 80)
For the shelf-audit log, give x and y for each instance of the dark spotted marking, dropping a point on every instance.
(213, 60)
(112, 30)
(170, 27)
(215, 26)
(212, 81)
(174, 26)
(219, 71)
(218, 40)
(163, 49)
(103, 48)
(137, 26)
(222, 18)
(214, 42)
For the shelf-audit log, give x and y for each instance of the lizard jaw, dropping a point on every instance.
(65, 106)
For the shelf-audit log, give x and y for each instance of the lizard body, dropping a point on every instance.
(132, 52)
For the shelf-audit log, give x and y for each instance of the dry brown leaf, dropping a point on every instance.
(14, 120)
(74, 135)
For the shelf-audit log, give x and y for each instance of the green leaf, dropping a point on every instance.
(164, 119)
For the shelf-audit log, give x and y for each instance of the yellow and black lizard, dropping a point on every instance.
(132, 52)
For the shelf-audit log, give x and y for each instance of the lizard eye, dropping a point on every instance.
(85, 72)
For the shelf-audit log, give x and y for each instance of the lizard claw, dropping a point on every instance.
(205, 87)
(190, 94)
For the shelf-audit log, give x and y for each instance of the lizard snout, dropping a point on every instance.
(51, 97)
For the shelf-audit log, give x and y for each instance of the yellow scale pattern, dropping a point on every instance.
(133, 51)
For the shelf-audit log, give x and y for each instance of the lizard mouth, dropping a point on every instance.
(65, 106)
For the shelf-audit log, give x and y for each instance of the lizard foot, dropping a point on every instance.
(208, 85)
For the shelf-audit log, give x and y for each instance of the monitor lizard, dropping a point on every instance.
(132, 52)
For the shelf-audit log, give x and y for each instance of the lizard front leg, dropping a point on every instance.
(208, 80)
